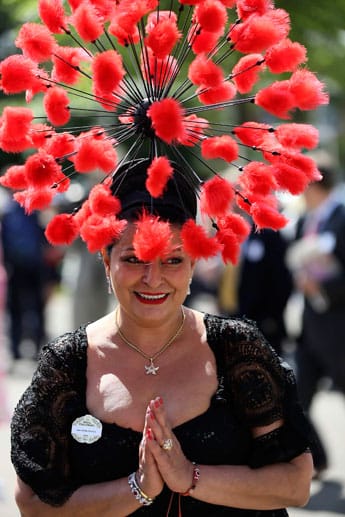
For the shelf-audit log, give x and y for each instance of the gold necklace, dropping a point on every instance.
(151, 369)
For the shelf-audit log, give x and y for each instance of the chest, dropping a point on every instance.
(119, 391)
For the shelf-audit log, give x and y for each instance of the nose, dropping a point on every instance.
(152, 275)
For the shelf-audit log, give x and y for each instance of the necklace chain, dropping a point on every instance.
(151, 368)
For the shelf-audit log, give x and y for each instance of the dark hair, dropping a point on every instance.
(177, 203)
(328, 180)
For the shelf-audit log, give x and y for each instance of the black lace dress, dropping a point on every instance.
(254, 389)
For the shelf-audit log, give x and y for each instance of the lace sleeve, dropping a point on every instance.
(262, 389)
(39, 442)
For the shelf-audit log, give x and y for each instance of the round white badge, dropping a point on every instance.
(86, 429)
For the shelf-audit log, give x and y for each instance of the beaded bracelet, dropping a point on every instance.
(196, 477)
(140, 496)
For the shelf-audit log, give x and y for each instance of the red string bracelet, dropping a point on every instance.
(196, 477)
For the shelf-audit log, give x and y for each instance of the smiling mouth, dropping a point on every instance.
(151, 298)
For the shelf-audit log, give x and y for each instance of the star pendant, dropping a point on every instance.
(151, 369)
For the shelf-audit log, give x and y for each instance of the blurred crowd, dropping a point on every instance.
(292, 283)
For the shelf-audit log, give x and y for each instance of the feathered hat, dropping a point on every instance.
(186, 82)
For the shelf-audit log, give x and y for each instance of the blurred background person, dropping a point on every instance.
(32, 268)
(317, 260)
(260, 285)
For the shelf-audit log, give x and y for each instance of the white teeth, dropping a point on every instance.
(152, 296)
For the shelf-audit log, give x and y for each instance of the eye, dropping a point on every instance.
(173, 261)
(132, 259)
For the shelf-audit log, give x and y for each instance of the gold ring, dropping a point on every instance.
(167, 444)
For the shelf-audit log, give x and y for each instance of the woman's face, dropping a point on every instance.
(149, 291)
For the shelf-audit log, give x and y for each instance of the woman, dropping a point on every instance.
(156, 409)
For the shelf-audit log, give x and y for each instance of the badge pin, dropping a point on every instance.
(86, 429)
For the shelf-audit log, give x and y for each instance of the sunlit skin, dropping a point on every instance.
(150, 295)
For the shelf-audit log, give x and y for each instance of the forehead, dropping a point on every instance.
(126, 240)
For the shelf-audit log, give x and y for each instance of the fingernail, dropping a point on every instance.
(149, 434)
(157, 403)
(160, 401)
(151, 415)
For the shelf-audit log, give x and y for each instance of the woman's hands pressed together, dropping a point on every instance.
(160, 465)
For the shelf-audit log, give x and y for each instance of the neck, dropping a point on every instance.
(149, 339)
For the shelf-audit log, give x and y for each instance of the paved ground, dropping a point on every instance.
(328, 495)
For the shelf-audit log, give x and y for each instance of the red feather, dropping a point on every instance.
(230, 246)
(277, 99)
(98, 232)
(305, 163)
(42, 171)
(15, 128)
(152, 238)
(18, 73)
(285, 56)
(56, 105)
(94, 152)
(252, 133)
(36, 42)
(203, 72)
(197, 243)
(216, 196)
(307, 90)
(60, 144)
(53, 15)
(14, 178)
(158, 175)
(246, 72)
(62, 229)
(66, 61)
(258, 177)
(298, 135)
(246, 8)
(224, 92)
(266, 216)
(34, 199)
(107, 71)
(222, 146)
(236, 224)
(194, 130)
(211, 16)
(202, 41)
(87, 22)
(167, 119)
(258, 33)
(40, 134)
(163, 36)
(290, 178)
(102, 202)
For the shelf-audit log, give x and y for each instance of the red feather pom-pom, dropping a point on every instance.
(230, 246)
(252, 133)
(203, 72)
(258, 177)
(66, 62)
(40, 134)
(236, 223)
(246, 8)
(34, 199)
(298, 136)
(211, 15)
(102, 202)
(53, 15)
(60, 144)
(98, 232)
(246, 72)
(94, 152)
(265, 215)
(158, 174)
(18, 73)
(194, 127)
(203, 41)
(223, 92)
(62, 229)
(285, 56)
(14, 178)
(197, 243)
(87, 22)
(107, 71)
(305, 163)
(277, 99)
(162, 37)
(222, 146)
(56, 105)
(167, 119)
(152, 238)
(290, 178)
(36, 42)
(308, 90)
(258, 33)
(216, 196)
(42, 171)
(15, 128)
